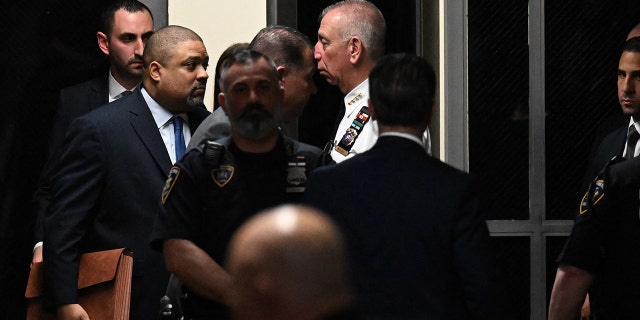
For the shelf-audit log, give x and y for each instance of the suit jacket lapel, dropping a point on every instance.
(99, 93)
(145, 126)
(618, 141)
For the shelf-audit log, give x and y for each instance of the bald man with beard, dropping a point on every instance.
(289, 263)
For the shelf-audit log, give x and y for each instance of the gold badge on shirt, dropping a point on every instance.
(222, 175)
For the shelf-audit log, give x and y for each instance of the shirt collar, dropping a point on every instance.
(358, 93)
(160, 114)
(404, 135)
(115, 88)
(637, 124)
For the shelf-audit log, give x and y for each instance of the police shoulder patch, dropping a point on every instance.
(222, 175)
(171, 181)
(594, 194)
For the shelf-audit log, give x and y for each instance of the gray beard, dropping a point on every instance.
(255, 128)
(195, 101)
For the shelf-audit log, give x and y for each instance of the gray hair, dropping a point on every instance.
(365, 21)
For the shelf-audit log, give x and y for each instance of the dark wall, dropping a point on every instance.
(47, 45)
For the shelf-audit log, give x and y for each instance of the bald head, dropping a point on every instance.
(162, 44)
(635, 32)
(287, 263)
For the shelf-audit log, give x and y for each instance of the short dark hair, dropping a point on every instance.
(632, 45)
(243, 58)
(107, 17)
(282, 44)
(402, 88)
(161, 46)
(228, 52)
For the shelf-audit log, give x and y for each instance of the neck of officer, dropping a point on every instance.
(252, 145)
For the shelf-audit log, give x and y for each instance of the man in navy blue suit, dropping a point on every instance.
(417, 239)
(124, 28)
(113, 166)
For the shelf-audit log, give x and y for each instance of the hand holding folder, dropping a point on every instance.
(104, 286)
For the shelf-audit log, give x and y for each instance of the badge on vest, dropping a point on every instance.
(222, 175)
(171, 181)
(354, 130)
(296, 177)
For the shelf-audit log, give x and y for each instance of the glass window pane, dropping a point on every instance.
(498, 104)
(512, 253)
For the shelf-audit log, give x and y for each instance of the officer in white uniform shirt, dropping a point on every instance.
(350, 42)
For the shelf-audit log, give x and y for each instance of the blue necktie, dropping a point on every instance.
(179, 137)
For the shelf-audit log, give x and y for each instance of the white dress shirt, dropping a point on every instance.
(165, 124)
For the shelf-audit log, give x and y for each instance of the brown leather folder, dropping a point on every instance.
(104, 286)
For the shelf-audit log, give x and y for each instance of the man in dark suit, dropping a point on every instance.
(125, 26)
(417, 239)
(614, 122)
(601, 256)
(113, 165)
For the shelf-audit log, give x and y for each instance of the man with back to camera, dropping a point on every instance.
(351, 38)
(219, 185)
(293, 53)
(125, 27)
(113, 165)
(601, 254)
(414, 226)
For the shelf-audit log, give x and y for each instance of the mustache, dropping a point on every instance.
(136, 59)
(202, 84)
(251, 107)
